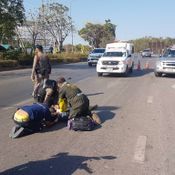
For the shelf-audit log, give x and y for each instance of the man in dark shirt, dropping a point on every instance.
(47, 93)
(32, 118)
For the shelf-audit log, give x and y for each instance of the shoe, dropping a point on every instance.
(96, 119)
(16, 131)
(93, 107)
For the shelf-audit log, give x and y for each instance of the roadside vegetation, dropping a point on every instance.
(50, 25)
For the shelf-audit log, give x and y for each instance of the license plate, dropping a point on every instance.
(110, 69)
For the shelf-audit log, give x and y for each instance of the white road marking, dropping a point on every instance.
(139, 155)
(173, 86)
(18, 104)
(150, 99)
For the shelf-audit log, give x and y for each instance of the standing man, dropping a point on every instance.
(41, 68)
(78, 101)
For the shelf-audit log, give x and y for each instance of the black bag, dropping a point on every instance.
(43, 66)
(81, 124)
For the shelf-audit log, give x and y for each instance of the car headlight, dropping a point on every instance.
(99, 62)
(122, 63)
(158, 64)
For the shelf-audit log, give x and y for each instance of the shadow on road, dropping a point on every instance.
(55, 127)
(61, 164)
(139, 73)
(93, 94)
(135, 73)
(168, 76)
(105, 112)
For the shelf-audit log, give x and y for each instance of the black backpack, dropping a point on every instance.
(43, 65)
(42, 92)
(81, 124)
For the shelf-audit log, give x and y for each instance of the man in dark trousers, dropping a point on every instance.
(78, 101)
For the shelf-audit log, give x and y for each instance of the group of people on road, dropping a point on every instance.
(55, 100)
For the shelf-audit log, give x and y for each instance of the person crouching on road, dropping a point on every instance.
(47, 93)
(79, 102)
(32, 118)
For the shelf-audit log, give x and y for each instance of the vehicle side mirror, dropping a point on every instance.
(129, 55)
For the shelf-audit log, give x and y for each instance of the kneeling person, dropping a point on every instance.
(33, 118)
(47, 92)
(79, 102)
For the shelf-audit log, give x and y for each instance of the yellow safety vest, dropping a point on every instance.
(21, 116)
(63, 104)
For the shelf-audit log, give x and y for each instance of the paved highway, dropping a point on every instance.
(136, 136)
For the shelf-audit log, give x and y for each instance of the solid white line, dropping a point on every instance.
(150, 99)
(139, 155)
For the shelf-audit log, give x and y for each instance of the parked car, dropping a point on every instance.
(146, 53)
(166, 63)
(95, 55)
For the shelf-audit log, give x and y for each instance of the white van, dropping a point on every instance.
(116, 59)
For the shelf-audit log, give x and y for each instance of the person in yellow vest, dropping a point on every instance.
(32, 118)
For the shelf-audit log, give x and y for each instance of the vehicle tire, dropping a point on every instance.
(126, 72)
(131, 69)
(99, 74)
(90, 64)
(158, 74)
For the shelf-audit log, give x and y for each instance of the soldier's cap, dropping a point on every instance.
(61, 80)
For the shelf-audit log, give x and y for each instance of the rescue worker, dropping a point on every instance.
(47, 92)
(32, 118)
(79, 102)
(41, 68)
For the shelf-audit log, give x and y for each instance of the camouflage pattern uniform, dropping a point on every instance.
(78, 102)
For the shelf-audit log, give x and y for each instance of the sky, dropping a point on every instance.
(134, 18)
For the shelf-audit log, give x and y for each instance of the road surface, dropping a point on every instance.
(136, 137)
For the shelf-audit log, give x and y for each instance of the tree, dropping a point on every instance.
(54, 18)
(155, 44)
(11, 15)
(98, 35)
(109, 33)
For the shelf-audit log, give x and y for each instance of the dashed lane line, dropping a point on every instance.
(150, 99)
(139, 156)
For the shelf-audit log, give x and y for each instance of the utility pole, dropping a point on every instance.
(43, 16)
(72, 36)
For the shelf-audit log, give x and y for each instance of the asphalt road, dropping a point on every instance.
(135, 138)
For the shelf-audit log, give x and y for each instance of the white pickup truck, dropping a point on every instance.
(116, 59)
(166, 63)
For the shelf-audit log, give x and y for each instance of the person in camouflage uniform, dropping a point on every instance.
(78, 101)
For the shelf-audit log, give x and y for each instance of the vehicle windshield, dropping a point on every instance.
(98, 51)
(169, 53)
(146, 50)
(114, 54)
